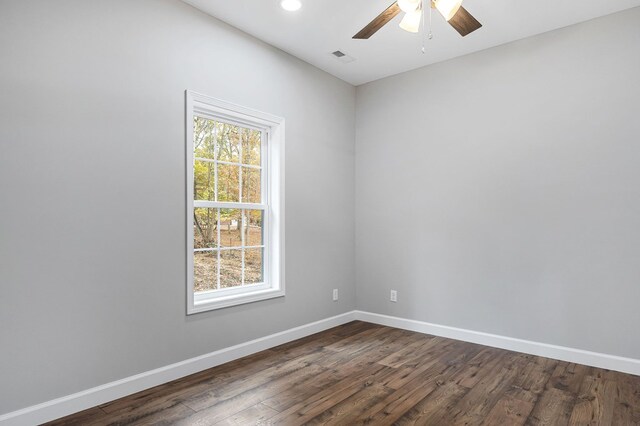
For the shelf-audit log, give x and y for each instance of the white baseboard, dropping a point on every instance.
(70, 404)
(578, 356)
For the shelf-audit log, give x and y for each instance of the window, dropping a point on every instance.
(235, 200)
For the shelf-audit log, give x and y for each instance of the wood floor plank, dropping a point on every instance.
(401, 356)
(477, 403)
(428, 369)
(358, 341)
(554, 407)
(628, 401)
(403, 399)
(223, 408)
(389, 410)
(349, 409)
(513, 408)
(305, 389)
(327, 381)
(165, 417)
(351, 328)
(345, 363)
(361, 373)
(383, 344)
(305, 411)
(460, 353)
(535, 374)
(145, 414)
(596, 402)
(435, 408)
(485, 360)
(254, 415)
(569, 376)
(303, 367)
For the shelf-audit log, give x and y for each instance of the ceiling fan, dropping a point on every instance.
(452, 10)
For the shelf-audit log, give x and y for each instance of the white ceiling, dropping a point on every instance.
(323, 26)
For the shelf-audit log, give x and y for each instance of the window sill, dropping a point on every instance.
(221, 302)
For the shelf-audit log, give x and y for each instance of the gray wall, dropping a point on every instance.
(500, 192)
(92, 189)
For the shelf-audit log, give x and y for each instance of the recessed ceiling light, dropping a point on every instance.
(291, 5)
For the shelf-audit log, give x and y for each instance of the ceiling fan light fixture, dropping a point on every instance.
(411, 21)
(408, 6)
(448, 8)
(290, 5)
(456, 16)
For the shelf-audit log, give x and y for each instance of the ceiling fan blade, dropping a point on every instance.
(464, 22)
(379, 22)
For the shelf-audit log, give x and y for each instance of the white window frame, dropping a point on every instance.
(272, 187)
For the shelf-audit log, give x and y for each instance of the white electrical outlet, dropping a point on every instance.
(394, 296)
(335, 294)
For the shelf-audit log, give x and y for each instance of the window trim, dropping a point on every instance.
(273, 200)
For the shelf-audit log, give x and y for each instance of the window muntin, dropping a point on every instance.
(235, 204)
(227, 168)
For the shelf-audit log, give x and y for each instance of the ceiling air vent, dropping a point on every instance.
(343, 57)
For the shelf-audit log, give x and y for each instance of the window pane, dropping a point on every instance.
(229, 143)
(205, 270)
(230, 228)
(253, 266)
(204, 135)
(203, 176)
(251, 141)
(205, 232)
(253, 227)
(250, 185)
(230, 268)
(228, 183)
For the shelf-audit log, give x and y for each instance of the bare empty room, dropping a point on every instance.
(290, 212)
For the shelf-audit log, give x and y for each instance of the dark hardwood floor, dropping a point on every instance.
(363, 373)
